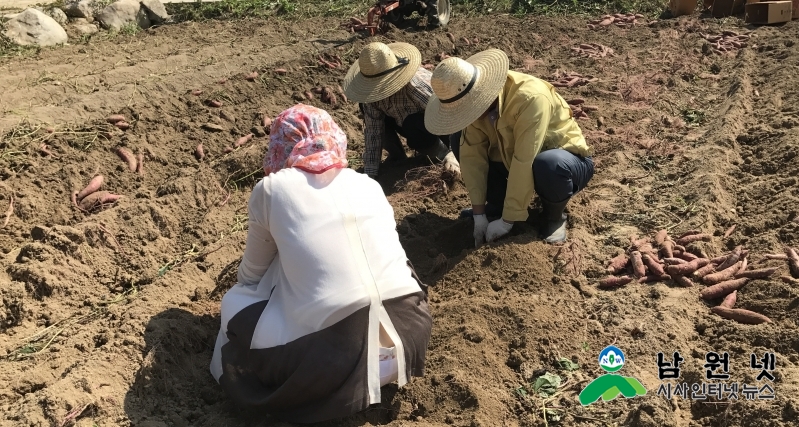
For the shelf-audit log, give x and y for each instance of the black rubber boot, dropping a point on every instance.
(554, 228)
(393, 145)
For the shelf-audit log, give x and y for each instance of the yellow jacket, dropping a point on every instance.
(533, 117)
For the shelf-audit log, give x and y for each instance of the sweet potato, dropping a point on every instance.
(687, 268)
(730, 299)
(762, 273)
(342, 94)
(229, 149)
(781, 257)
(719, 259)
(618, 263)
(721, 276)
(281, 71)
(661, 237)
(267, 122)
(689, 233)
(123, 125)
(465, 40)
(115, 118)
(252, 76)
(667, 248)
(704, 271)
(789, 280)
(614, 281)
(793, 261)
(682, 281)
(693, 238)
(679, 248)
(93, 186)
(308, 95)
(128, 157)
(199, 152)
(722, 289)
(243, 140)
(675, 261)
(214, 103)
(740, 315)
(729, 231)
(744, 264)
(639, 270)
(140, 164)
(97, 200)
(732, 259)
(653, 266)
(197, 92)
(686, 256)
(451, 37)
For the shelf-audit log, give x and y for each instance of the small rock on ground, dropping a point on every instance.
(80, 9)
(81, 27)
(32, 27)
(156, 12)
(121, 13)
(58, 15)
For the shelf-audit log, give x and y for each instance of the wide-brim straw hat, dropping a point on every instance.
(381, 71)
(464, 89)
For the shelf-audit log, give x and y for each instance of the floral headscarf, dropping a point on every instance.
(306, 138)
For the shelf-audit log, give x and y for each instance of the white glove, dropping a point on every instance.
(480, 227)
(497, 229)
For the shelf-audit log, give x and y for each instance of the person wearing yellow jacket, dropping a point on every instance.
(519, 138)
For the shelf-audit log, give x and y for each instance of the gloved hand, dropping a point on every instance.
(497, 229)
(480, 227)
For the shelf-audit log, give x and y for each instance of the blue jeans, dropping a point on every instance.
(558, 175)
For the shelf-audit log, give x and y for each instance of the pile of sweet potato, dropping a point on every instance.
(664, 259)
(592, 50)
(623, 20)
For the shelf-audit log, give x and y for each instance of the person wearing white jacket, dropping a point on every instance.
(327, 308)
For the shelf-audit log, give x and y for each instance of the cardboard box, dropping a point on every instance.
(769, 12)
(794, 7)
(722, 8)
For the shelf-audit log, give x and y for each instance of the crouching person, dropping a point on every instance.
(327, 308)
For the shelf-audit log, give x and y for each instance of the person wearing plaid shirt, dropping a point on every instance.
(392, 90)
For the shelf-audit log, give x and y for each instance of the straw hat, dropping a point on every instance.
(381, 71)
(464, 89)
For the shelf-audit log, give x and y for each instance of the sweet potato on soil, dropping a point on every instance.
(721, 276)
(661, 237)
(308, 95)
(704, 271)
(719, 259)
(667, 248)
(197, 92)
(97, 200)
(199, 152)
(675, 261)
(252, 76)
(614, 281)
(682, 281)
(679, 248)
(781, 257)
(686, 256)
(618, 263)
(115, 118)
(654, 278)
(342, 94)
(722, 289)
(757, 274)
(744, 264)
(639, 270)
(793, 261)
(281, 71)
(451, 37)
(214, 103)
(653, 266)
(789, 280)
(731, 259)
(93, 186)
(740, 315)
(729, 231)
(128, 157)
(243, 140)
(140, 164)
(123, 125)
(267, 122)
(687, 268)
(693, 238)
(729, 300)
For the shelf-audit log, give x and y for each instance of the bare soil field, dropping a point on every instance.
(110, 318)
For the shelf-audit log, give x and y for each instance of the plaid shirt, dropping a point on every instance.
(409, 100)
